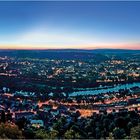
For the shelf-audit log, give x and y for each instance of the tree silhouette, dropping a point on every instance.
(3, 119)
(8, 131)
(135, 132)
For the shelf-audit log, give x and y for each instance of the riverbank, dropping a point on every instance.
(105, 90)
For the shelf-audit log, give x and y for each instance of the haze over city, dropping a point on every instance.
(76, 25)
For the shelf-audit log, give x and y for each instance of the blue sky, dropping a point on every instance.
(63, 24)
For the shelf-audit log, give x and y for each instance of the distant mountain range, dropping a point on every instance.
(76, 50)
(115, 51)
(67, 53)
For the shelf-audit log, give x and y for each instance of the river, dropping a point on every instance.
(111, 89)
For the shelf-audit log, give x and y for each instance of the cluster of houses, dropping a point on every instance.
(44, 114)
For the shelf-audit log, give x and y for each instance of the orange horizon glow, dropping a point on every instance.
(85, 47)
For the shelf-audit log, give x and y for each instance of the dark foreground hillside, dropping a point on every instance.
(121, 125)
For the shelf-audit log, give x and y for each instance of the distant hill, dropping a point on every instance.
(54, 54)
(98, 54)
(115, 51)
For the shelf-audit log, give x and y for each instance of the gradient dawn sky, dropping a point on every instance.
(69, 24)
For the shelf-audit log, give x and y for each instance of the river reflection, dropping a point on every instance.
(111, 89)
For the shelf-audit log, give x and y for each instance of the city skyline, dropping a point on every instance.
(75, 25)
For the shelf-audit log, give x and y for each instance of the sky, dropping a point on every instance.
(69, 24)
